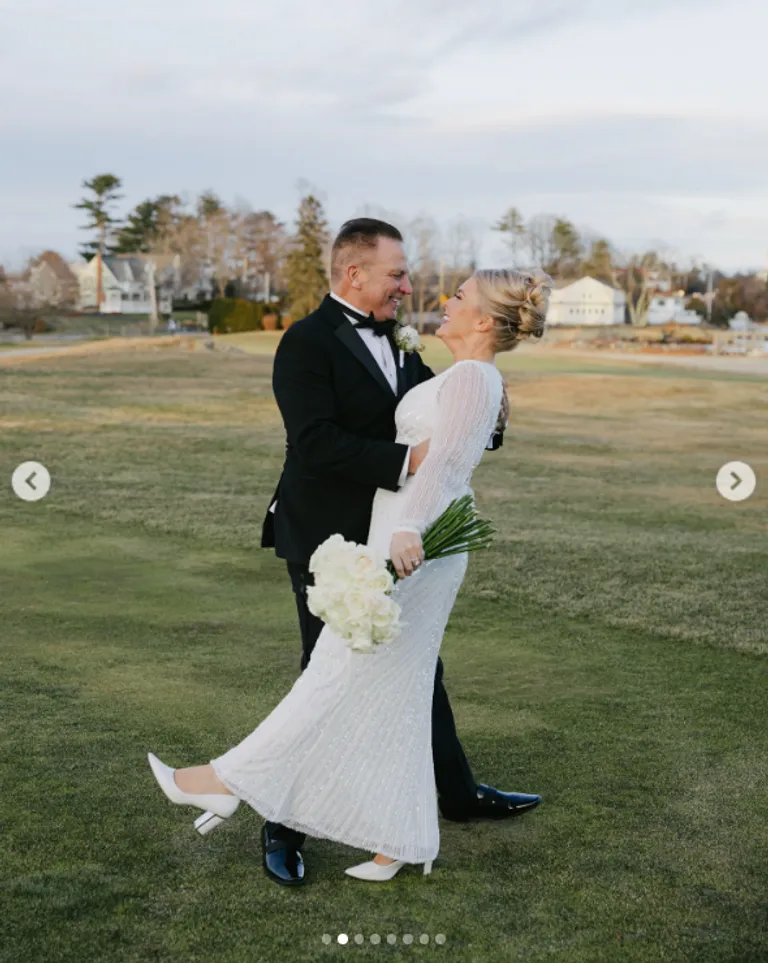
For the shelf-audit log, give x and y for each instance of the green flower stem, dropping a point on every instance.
(445, 528)
(459, 529)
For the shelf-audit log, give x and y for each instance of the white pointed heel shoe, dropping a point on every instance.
(218, 806)
(380, 872)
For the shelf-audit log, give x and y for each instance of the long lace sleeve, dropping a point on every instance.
(468, 407)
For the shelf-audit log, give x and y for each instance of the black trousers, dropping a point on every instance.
(456, 788)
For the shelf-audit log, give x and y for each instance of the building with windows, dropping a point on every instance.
(587, 302)
(52, 282)
(125, 284)
(668, 307)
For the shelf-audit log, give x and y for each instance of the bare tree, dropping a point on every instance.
(264, 252)
(462, 246)
(540, 238)
(513, 228)
(421, 247)
(222, 231)
(636, 275)
(19, 307)
(187, 245)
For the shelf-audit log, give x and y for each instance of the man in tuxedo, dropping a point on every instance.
(338, 377)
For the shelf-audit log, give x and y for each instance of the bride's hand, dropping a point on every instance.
(406, 553)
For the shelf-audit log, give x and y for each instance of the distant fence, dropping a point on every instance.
(740, 342)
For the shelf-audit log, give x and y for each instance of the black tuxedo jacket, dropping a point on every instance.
(339, 415)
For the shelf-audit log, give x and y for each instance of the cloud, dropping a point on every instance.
(637, 154)
(602, 110)
(293, 58)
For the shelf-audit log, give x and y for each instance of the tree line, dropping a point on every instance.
(236, 251)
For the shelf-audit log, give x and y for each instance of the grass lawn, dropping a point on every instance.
(610, 652)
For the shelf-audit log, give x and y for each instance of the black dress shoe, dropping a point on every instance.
(282, 861)
(495, 804)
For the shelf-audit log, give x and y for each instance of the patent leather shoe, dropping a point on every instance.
(495, 804)
(282, 861)
(492, 804)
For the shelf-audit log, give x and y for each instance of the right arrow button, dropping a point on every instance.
(736, 481)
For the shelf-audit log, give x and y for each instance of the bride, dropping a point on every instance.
(347, 754)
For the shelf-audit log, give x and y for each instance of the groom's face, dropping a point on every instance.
(384, 279)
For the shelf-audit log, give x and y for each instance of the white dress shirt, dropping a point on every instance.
(382, 355)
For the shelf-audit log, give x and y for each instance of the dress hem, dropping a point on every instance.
(272, 814)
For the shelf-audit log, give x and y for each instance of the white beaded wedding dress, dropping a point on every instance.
(347, 754)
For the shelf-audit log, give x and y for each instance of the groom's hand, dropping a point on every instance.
(406, 553)
(418, 454)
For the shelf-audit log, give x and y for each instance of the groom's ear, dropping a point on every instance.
(354, 276)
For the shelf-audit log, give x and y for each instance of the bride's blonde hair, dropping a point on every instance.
(518, 302)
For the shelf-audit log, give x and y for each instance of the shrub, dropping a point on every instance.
(217, 314)
(245, 316)
(237, 314)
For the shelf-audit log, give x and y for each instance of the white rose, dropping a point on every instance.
(407, 338)
(381, 581)
(358, 603)
(385, 619)
(325, 554)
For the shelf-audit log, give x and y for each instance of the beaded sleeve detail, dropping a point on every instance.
(467, 408)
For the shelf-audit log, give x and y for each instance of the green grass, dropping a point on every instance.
(609, 652)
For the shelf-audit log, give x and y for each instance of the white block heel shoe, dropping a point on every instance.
(380, 872)
(208, 822)
(218, 806)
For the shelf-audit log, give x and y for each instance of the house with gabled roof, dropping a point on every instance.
(52, 282)
(125, 283)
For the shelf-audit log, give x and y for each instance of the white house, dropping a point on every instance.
(125, 286)
(669, 307)
(587, 301)
(52, 282)
(741, 321)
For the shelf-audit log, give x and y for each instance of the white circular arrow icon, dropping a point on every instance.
(736, 481)
(31, 481)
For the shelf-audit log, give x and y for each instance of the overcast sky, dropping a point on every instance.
(643, 122)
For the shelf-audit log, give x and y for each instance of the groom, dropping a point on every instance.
(338, 377)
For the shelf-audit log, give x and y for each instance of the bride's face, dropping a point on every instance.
(463, 312)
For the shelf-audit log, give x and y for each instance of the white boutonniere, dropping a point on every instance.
(407, 338)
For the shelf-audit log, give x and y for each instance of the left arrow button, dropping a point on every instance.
(31, 481)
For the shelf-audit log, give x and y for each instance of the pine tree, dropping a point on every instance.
(568, 249)
(600, 264)
(146, 225)
(307, 279)
(104, 188)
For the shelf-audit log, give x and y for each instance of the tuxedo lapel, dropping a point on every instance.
(351, 339)
(345, 331)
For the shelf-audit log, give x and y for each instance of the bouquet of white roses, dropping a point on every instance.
(352, 586)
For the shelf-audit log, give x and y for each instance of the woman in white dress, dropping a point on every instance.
(347, 754)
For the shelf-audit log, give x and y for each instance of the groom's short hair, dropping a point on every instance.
(356, 236)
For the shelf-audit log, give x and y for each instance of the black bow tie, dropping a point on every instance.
(379, 328)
